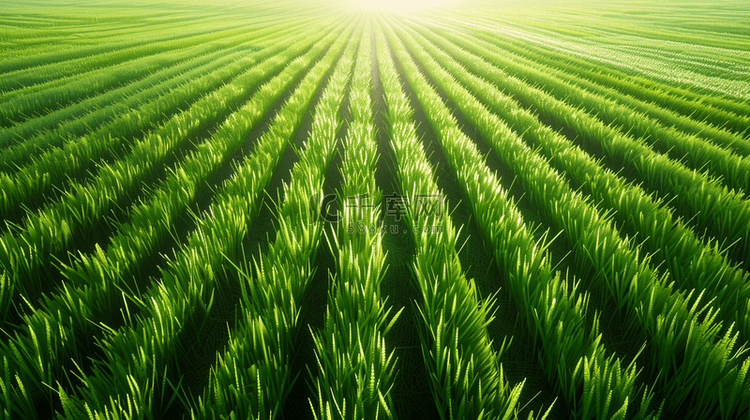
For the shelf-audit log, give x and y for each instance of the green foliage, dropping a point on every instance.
(100, 284)
(669, 241)
(58, 227)
(467, 378)
(252, 376)
(132, 170)
(555, 313)
(685, 340)
(355, 372)
(712, 195)
(63, 126)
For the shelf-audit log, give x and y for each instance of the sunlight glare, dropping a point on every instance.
(399, 4)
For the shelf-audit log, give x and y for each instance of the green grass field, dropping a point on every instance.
(319, 210)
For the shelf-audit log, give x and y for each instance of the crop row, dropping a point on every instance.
(101, 285)
(40, 76)
(669, 241)
(137, 353)
(555, 313)
(135, 281)
(693, 150)
(31, 185)
(252, 375)
(643, 117)
(57, 227)
(699, 198)
(466, 377)
(123, 36)
(101, 277)
(355, 370)
(89, 114)
(686, 345)
(38, 100)
(719, 112)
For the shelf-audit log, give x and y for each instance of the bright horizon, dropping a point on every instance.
(401, 4)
